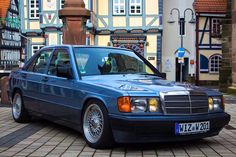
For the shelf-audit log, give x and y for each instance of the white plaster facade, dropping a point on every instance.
(172, 39)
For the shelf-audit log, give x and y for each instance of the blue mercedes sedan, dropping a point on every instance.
(112, 95)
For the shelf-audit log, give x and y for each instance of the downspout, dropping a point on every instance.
(197, 50)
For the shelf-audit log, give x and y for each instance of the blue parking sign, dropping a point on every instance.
(181, 52)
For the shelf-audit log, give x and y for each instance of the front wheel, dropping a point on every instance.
(96, 127)
(19, 112)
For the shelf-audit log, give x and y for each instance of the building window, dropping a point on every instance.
(34, 9)
(135, 7)
(36, 48)
(215, 63)
(204, 64)
(62, 2)
(216, 27)
(119, 7)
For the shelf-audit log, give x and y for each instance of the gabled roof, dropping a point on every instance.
(210, 6)
(4, 6)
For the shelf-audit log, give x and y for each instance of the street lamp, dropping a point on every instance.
(182, 27)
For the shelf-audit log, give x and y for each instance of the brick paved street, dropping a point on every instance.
(42, 138)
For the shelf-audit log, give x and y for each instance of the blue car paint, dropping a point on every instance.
(63, 99)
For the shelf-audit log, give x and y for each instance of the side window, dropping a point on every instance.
(60, 57)
(39, 64)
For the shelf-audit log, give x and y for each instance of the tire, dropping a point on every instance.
(96, 127)
(19, 113)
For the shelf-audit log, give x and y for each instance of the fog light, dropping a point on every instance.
(153, 105)
(210, 103)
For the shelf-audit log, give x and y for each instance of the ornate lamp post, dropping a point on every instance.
(74, 17)
(181, 21)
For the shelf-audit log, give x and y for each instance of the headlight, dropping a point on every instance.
(138, 104)
(216, 104)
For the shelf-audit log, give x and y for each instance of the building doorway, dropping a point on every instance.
(134, 47)
(185, 69)
(133, 42)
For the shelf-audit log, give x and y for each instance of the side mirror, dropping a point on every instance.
(64, 70)
(163, 75)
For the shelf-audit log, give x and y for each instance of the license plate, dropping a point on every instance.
(192, 128)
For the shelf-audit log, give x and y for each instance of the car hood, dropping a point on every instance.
(143, 83)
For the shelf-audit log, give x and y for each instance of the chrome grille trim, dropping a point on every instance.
(184, 102)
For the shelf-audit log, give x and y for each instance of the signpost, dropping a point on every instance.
(181, 20)
(181, 52)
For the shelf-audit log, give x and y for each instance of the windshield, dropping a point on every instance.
(105, 61)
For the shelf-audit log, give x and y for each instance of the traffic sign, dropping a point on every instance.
(181, 60)
(181, 52)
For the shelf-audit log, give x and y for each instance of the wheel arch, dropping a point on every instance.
(14, 91)
(86, 102)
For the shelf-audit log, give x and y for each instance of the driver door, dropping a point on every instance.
(60, 92)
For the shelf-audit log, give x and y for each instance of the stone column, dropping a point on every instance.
(232, 89)
(225, 79)
(74, 17)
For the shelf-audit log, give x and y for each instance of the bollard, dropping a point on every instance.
(4, 86)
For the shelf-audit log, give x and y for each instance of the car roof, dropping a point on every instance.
(84, 46)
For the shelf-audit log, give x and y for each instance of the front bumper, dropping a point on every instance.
(140, 129)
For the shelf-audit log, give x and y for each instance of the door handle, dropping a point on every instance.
(45, 79)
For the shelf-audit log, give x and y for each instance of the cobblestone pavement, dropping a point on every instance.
(42, 138)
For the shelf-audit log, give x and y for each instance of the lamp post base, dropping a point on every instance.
(232, 89)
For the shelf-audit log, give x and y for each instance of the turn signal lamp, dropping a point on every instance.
(211, 103)
(153, 105)
(124, 104)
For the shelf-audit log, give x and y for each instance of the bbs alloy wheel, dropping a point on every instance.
(96, 127)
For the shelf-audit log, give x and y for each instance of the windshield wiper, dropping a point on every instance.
(149, 74)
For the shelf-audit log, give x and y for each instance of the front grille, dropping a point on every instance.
(185, 104)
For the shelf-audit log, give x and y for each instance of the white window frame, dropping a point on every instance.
(215, 65)
(34, 8)
(62, 3)
(38, 48)
(61, 38)
(216, 24)
(135, 5)
(119, 5)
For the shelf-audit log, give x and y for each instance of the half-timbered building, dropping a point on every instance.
(208, 39)
(42, 26)
(10, 39)
(134, 24)
(40, 23)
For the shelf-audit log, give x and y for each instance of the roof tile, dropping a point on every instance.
(210, 6)
(4, 6)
